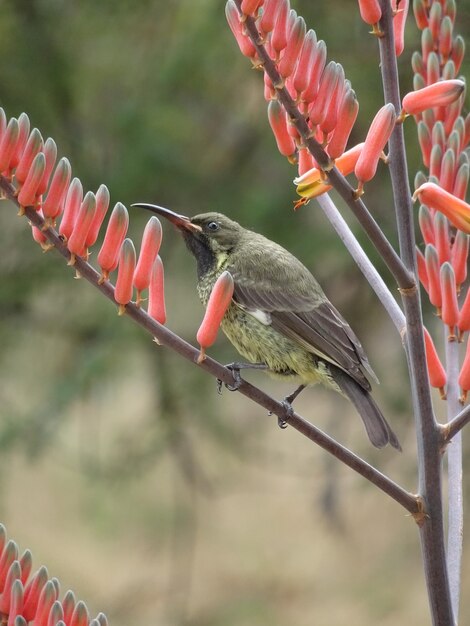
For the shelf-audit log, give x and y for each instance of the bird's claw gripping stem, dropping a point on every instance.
(237, 379)
(284, 422)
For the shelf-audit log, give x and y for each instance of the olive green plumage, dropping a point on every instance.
(279, 315)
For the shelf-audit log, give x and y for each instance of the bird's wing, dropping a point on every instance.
(301, 311)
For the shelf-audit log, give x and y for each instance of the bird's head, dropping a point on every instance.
(209, 236)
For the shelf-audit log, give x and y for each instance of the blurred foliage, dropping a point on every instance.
(155, 100)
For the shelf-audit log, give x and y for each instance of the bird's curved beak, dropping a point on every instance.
(180, 221)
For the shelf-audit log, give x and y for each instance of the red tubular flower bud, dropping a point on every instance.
(447, 174)
(376, 140)
(14, 573)
(310, 185)
(8, 144)
(450, 307)
(418, 82)
(438, 135)
(420, 179)
(421, 16)
(68, 606)
(335, 98)
(417, 64)
(86, 213)
(72, 203)
(45, 602)
(32, 592)
(294, 46)
(370, 11)
(435, 161)
(461, 181)
(437, 373)
(268, 19)
(26, 564)
(422, 271)
(450, 9)
(425, 143)
(116, 231)
(445, 38)
(126, 268)
(433, 68)
(20, 621)
(458, 52)
(3, 123)
(434, 283)
(305, 161)
(427, 43)
(328, 83)
(455, 209)
(102, 619)
(316, 70)
(448, 71)
(269, 91)
(156, 305)
(250, 7)
(9, 554)
(33, 146)
(28, 192)
(50, 152)
(464, 315)
(24, 128)
(54, 201)
(233, 18)
(55, 614)
(279, 33)
(464, 376)
(151, 241)
(306, 58)
(16, 602)
(278, 121)
(39, 236)
(219, 301)
(80, 615)
(426, 225)
(399, 22)
(459, 257)
(452, 114)
(102, 205)
(442, 93)
(435, 18)
(454, 141)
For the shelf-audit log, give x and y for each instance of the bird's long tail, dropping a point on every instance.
(377, 427)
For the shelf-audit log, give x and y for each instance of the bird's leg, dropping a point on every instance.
(287, 403)
(235, 369)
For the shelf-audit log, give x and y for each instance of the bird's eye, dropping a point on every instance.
(213, 226)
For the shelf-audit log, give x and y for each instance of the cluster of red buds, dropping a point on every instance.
(27, 598)
(444, 134)
(28, 162)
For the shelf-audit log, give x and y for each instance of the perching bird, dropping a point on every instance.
(280, 317)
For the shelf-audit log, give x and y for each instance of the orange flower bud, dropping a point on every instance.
(399, 22)
(24, 127)
(39, 236)
(54, 201)
(86, 213)
(458, 52)
(464, 376)
(450, 307)
(427, 43)
(450, 9)
(334, 100)
(445, 37)
(426, 224)
(50, 152)
(441, 230)
(8, 144)
(68, 606)
(28, 192)
(461, 181)
(269, 16)
(279, 33)
(376, 140)
(32, 593)
(278, 121)
(115, 233)
(219, 301)
(45, 602)
(347, 115)
(370, 11)
(250, 7)
(437, 373)
(328, 83)
(459, 256)
(16, 602)
(80, 615)
(442, 93)
(3, 122)
(435, 161)
(9, 554)
(33, 146)
(433, 69)
(294, 45)
(435, 18)
(422, 271)
(421, 16)
(455, 209)
(126, 267)
(13, 574)
(306, 58)
(156, 306)
(316, 71)
(26, 564)
(447, 174)
(417, 64)
(306, 161)
(102, 204)
(424, 138)
(464, 315)
(233, 18)
(432, 269)
(55, 614)
(72, 203)
(151, 241)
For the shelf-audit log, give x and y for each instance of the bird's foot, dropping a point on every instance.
(283, 422)
(237, 379)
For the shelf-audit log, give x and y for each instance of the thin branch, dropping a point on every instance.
(427, 430)
(404, 278)
(363, 262)
(167, 338)
(455, 425)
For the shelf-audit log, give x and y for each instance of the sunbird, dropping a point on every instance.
(279, 318)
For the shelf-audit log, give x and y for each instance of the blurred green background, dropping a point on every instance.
(157, 500)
